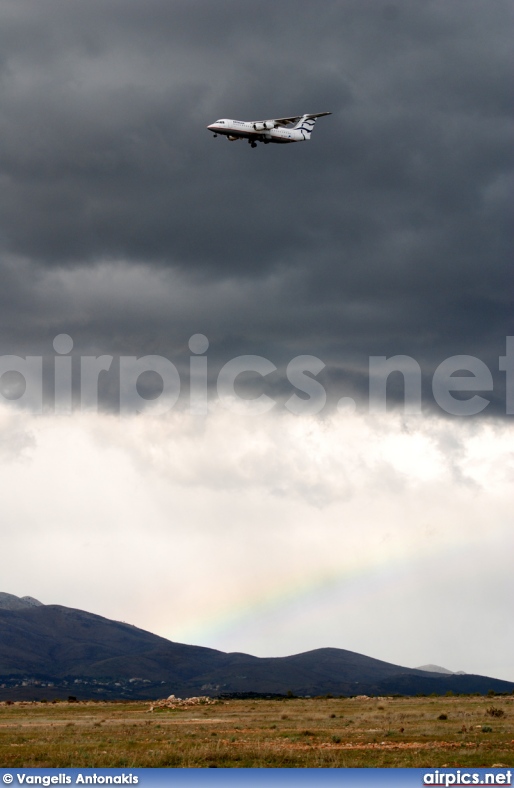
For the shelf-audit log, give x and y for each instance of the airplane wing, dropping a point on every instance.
(286, 121)
(293, 119)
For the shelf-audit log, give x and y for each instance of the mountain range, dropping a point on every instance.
(49, 651)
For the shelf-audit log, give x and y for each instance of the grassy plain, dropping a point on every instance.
(260, 733)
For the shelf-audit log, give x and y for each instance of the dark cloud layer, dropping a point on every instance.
(124, 224)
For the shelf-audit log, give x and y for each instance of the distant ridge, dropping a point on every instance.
(12, 602)
(49, 651)
(439, 669)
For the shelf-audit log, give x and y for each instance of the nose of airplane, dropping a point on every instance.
(211, 127)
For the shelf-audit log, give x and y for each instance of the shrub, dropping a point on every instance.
(495, 712)
(336, 739)
(443, 717)
(486, 729)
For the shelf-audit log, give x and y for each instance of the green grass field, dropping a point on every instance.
(289, 733)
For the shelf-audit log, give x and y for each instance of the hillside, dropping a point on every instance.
(50, 650)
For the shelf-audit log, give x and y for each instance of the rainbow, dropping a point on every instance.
(306, 596)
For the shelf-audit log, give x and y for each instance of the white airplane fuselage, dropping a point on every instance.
(257, 132)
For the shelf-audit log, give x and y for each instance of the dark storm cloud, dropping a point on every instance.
(387, 234)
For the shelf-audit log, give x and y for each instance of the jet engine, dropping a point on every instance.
(266, 124)
(232, 139)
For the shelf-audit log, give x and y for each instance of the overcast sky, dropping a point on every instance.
(126, 226)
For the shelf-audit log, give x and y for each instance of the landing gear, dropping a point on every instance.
(252, 143)
(214, 135)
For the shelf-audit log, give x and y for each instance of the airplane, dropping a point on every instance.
(275, 130)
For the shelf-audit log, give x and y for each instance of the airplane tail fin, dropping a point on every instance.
(305, 125)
